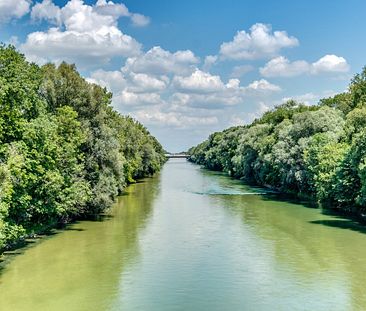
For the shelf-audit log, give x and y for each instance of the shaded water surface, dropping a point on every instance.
(190, 239)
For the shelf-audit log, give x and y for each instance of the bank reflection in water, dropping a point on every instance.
(80, 268)
(321, 258)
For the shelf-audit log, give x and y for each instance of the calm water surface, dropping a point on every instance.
(190, 239)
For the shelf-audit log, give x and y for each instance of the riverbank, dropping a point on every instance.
(65, 152)
(21, 245)
(315, 151)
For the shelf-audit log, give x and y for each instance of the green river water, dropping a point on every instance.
(190, 239)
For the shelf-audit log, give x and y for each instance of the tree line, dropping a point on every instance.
(65, 153)
(312, 151)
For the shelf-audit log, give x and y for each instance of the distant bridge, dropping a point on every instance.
(176, 155)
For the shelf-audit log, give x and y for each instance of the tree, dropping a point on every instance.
(64, 152)
(49, 185)
(19, 100)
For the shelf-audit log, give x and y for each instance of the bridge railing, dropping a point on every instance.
(177, 155)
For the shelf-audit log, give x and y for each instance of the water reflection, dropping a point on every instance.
(79, 269)
(323, 259)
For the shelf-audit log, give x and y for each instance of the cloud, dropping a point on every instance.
(114, 81)
(282, 67)
(210, 60)
(13, 40)
(126, 100)
(140, 20)
(109, 8)
(212, 101)
(239, 71)
(229, 94)
(10, 9)
(90, 48)
(307, 98)
(310, 98)
(173, 119)
(263, 85)
(235, 121)
(119, 9)
(160, 88)
(46, 10)
(259, 42)
(159, 61)
(247, 117)
(330, 63)
(198, 102)
(142, 83)
(85, 34)
(162, 77)
(198, 81)
(131, 90)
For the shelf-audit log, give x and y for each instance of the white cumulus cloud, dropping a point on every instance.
(140, 20)
(282, 67)
(159, 61)
(161, 118)
(46, 10)
(198, 81)
(259, 42)
(239, 71)
(210, 60)
(119, 9)
(330, 63)
(263, 85)
(229, 94)
(112, 9)
(127, 101)
(86, 34)
(114, 81)
(10, 9)
(310, 98)
(142, 82)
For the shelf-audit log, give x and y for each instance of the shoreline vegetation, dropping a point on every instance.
(65, 153)
(316, 152)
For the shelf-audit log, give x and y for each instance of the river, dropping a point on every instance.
(191, 239)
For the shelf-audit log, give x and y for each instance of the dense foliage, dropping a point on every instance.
(313, 151)
(64, 151)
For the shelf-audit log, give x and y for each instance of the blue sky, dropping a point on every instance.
(188, 68)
